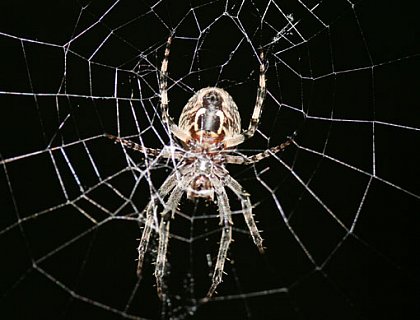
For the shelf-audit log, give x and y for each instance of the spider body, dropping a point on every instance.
(208, 130)
(209, 117)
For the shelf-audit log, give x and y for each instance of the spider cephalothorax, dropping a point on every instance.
(209, 129)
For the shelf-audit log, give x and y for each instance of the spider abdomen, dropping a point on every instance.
(210, 116)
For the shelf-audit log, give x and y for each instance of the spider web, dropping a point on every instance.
(339, 209)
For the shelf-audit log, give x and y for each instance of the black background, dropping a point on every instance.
(369, 55)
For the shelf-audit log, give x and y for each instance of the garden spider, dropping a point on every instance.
(209, 128)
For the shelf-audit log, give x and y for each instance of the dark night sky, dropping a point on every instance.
(364, 66)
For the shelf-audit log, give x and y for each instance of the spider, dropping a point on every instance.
(209, 129)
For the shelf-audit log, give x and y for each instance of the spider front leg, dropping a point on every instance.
(256, 114)
(261, 92)
(163, 85)
(164, 102)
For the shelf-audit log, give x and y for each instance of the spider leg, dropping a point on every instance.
(261, 92)
(164, 102)
(260, 156)
(163, 86)
(162, 250)
(226, 238)
(168, 213)
(148, 151)
(247, 210)
(256, 114)
(166, 187)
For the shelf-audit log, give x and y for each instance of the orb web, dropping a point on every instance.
(338, 209)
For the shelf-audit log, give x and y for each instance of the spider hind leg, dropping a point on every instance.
(225, 241)
(166, 216)
(247, 211)
(225, 220)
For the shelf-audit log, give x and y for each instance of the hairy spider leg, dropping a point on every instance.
(166, 216)
(243, 196)
(256, 114)
(225, 214)
(260, 156)
(163, 88)
(166, 187)
(147, 151)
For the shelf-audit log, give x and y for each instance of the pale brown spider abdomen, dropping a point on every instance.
(210, 116)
